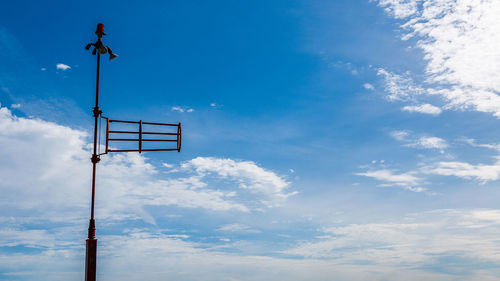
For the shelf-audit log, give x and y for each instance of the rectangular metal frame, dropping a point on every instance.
(140, 139)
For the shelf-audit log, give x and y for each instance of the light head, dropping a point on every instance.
(102, 49)
(112, 55)
(100, 30)
(99, 47)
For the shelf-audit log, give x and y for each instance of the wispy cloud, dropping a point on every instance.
(429, 142)
(480, 171)
(60, 171)
(425, 142)
(390, 178)
(400, 8)
(418, 241)
(403, 88)
(249, 177)
(181, 109)
(166, 165)
(458, 41)
(400, 135)
(400, 87)
(423, 108)
(368, 86)
(236, 227)
(62, 66)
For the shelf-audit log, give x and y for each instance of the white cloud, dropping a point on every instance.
(166, 165)
(423, 108)
(406, 180)
(45, 170)
(386, 175)
(400, 8)
(52, 184)
(399, 87)
(237, 227)
(424, 240)
(400, 135)
(248, 174)
(213, 104)
(32, 238)
(427, 142)
(181, 109)
(368, 86)
(195, 261)
(43, 69)
(15, 105)
(62, 66)
(413, 247)
(177, 108)
(481, 172)
(42, 165)
(459, 41)
(430, 142)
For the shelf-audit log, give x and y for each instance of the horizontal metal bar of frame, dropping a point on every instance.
(138, 140)
(121, 121)
(155, 133)
(136, 150)
(123, 139)
(123, 132)
(160, 124)
(144, 133)
(144, 123)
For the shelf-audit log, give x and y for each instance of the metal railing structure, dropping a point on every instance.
(176, 137)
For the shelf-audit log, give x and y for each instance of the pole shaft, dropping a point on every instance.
(96, 119)
(91, 245)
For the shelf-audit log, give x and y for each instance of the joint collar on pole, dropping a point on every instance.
(97, 111)
(95, 159)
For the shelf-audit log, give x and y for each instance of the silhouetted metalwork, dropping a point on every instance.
(91, 242)
(174, 136)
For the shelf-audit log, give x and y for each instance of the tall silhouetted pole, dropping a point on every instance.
(171, 133)
(91, 251)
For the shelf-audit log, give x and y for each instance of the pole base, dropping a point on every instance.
(91, 260)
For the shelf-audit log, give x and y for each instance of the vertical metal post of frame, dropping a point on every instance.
(107, 135)
(140, 136)
(179, 137)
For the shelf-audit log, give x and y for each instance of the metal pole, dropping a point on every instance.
(91, 252)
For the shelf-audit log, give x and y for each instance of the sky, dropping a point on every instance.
(322, 140)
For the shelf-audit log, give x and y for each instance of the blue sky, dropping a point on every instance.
(322, 140)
